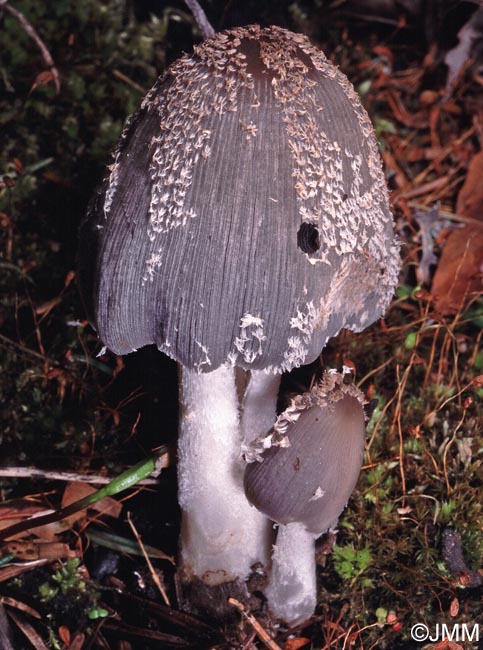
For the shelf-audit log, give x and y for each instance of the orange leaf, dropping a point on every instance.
(470, 198)
(460, 269)
(459, 272)
(64, 634)
(68, 278)
(295, 644)
(454, 607)
(43, 78)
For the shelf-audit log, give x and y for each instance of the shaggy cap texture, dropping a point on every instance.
(245, 216)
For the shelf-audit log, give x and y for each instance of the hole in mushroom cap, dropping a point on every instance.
(308, 239)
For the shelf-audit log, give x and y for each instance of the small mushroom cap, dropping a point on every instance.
(245, 217)
(311, 480)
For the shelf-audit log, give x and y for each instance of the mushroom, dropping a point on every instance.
(309, 465)
(243, 222)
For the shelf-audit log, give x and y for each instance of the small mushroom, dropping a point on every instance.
(243, 222)
(303, 481)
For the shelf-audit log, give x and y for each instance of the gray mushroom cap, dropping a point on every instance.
(245, 217)
(312, 467)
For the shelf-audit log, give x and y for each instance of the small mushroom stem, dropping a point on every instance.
(259, 407)
(222, 534)
(291, 591)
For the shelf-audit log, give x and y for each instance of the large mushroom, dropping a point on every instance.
(243, 222)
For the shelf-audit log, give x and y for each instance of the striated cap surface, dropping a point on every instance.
(245, 216)
(313, 459)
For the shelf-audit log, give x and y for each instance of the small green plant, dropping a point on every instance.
(97, 612)
(66, 579)
(351, 563)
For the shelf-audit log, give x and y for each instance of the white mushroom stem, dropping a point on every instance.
(291, 590)
(259, 408)
(222, 535)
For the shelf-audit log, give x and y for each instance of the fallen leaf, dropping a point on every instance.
(459, 274)
(64, 634)
(45, 307)
(454, 607)
(77, 491)
(42, 79)
(68, 278)
(77, 642)
(470, 197)
(4, 220)
(33, 550)
(35, 640)
(445, 645)
(13, 602)
(10, 516)
(295, 644)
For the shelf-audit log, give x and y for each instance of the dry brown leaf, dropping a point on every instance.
(76, 491)
(10, 516)
(45, 307)
(454, 607)
(68, 278)
(460, 270)
(43, 79)
(29, 631)
(295, 644)
(77, 642)
(64, 634)
(33, 550)
(445, 645)
(17, 604)
(470, 198)
(4, 220)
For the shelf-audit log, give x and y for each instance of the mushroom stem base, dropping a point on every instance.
(291, 591)
(222, 535)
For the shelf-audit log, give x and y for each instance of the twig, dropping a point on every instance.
(446, 151)
(30, 31)
(262, 634)
(71, 477)
(154, 575)
(201, 20)
(122, 77)
(371, 372)
(28, 351)
(446, 449)
(421, 190)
